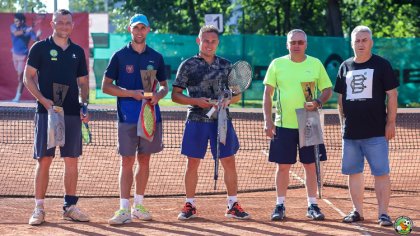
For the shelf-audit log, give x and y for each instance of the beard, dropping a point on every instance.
(139, 41)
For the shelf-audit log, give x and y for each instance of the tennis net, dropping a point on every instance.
(99, 164)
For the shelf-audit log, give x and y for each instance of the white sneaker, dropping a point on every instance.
(122, 216)
(75, 214)
(140, 212)
(38, 216)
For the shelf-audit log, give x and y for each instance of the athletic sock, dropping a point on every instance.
(311, 200)
(39, 203)
(124, 203)
(280, 200)
(138, 199)
(231, 200)
(190, 200)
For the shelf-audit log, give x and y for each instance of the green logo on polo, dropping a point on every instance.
(53, 53)
(403, 225)
(149, 67)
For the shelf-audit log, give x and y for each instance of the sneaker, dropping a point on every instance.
(236, 212)
(189, 211)
(314, 212)
(75, 214)
(38, 216)
(122, 216)
(385, 220)
(279, 212)
(140, 212)
(353, 216)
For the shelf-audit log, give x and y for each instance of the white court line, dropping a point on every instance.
(364, 231)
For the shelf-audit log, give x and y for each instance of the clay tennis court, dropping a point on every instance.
(99, 190)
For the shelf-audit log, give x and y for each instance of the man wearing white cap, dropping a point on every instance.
(123, 79)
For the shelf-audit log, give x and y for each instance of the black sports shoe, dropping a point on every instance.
(188, 212)
(315, 213)
(279, 212)
(236, 212)
(385, 220)
(353, 216)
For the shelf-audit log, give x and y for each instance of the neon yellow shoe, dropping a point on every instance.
(140, 212)
(122, 216)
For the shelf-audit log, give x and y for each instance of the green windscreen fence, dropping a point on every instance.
(260, 50)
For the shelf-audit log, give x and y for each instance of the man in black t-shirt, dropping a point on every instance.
(364, 83)
(60, 66)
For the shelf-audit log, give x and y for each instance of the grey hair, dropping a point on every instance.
(294, 31)
(360, 28)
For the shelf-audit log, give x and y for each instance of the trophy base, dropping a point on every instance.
(148, 94)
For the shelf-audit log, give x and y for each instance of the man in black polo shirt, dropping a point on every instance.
(60, 66)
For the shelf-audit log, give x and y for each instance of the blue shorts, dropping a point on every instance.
(374, 149)
(284, 146)
(73, 137)
(197, 134)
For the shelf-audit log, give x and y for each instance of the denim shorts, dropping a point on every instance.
(284, 148)
(197, 135)
(374, 149)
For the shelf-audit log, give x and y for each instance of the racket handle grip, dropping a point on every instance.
(210, 113)
(84, 109)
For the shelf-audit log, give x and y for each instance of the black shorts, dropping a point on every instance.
(73, 137)
(284, 146)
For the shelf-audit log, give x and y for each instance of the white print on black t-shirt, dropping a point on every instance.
(359, 84)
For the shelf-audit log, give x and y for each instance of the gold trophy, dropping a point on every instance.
(308, 89)
(148, 78)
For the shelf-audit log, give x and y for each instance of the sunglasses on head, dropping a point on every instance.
(299, 42)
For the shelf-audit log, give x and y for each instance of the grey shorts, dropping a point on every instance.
(73, 137)
(129, 142)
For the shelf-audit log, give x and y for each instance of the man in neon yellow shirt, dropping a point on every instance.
(295, 77)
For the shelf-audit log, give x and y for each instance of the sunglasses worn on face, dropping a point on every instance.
(299, 42)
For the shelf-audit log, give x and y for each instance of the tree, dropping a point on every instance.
(91, 6)
(168, 16)
(334, 26)
(386, 18)
(19, 6)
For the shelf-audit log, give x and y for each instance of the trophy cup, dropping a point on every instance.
(149, 81)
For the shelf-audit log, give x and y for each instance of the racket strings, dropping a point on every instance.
(240, 77)
(149, 120)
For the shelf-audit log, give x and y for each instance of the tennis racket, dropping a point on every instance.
(307, 88)
(239, 79)
(147, 127)
(86, 134)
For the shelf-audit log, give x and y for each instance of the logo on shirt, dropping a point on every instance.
(357, 84)
(74, 56)
(129, 69)
(53, 54)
